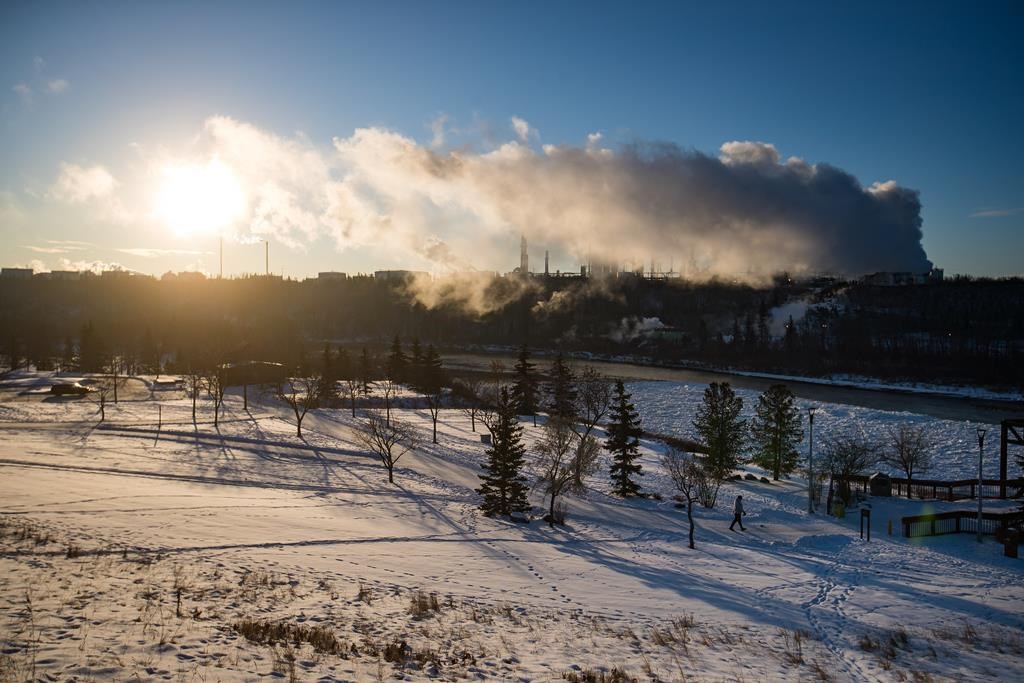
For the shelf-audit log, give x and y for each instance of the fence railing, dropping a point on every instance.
(959, 522)
(937, 489)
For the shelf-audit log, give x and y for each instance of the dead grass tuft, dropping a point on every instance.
(321, 638)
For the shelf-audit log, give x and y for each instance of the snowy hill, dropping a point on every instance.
(146, 548)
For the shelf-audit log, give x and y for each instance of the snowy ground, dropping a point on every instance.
(103, 527)
(669, 408)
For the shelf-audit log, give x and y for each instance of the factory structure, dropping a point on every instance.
(592, 268)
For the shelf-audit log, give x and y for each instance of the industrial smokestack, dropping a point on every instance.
(524, 258)
(546, 272)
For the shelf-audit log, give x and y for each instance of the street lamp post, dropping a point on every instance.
(981, 449)
(810, 463)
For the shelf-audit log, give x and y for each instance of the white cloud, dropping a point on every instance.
(996, 213)
(437, 129)
(145, 252)
(24, 91)
(57, 86)
(46, 250)
(71, 244)
(96, 267)
(77, 184)
(58, 247)
(879, 188)
(747, 152)
(94, 186)
(35, 264)
(38, 62)
(522, 128)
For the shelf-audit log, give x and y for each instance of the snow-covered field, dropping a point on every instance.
(132, 552)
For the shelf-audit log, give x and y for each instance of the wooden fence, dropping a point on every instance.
(960, 522)
(937, 489)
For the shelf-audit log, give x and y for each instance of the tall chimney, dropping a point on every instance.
(546, 272)
(524, 259)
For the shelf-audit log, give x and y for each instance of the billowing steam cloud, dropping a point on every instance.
(744, 212)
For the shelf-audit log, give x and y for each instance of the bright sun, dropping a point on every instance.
(199, 200)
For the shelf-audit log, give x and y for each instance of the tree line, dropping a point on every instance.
(959, 330)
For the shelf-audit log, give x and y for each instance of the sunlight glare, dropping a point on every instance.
(196, 199)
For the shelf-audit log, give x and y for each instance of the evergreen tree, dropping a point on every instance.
(415, 363)
(775, 431)
(397, 363)
(431, 373)
(504, 486)
(763, 333)
(719, 425)
(561, 389)
(623, 443)
(524, 391)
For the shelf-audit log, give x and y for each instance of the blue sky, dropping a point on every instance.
(927, 94)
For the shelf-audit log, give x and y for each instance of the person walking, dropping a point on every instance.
(737, 511)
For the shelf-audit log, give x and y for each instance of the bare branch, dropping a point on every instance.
(388, 440)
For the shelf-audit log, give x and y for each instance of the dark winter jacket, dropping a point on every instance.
(738, 508)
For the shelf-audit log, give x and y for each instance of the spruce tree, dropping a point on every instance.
(431, 372)
(775, 431)
(561, 389)
(720, 428)
(623, 443)
(504, 486)
(525, 389)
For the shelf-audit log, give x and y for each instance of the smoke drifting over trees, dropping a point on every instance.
(745, 211)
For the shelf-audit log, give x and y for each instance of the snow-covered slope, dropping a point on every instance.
(254, 526)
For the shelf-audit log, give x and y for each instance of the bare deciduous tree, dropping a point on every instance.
(353, 387)
(435, 399)
(593, 397)
(689, 479)
(389, 388)
(909, 449)
(302, 394)
(103, 392)
(497, 380)
(216, 387)
(467, 394)
(556, 448)
(846, 456)
(388, 440)
(193, 386)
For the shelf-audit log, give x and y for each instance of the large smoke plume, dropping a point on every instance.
(744, 212)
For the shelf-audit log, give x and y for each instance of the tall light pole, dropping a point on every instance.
(981, 449)
(810, 463)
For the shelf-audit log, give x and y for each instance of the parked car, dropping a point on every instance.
(69, 389)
